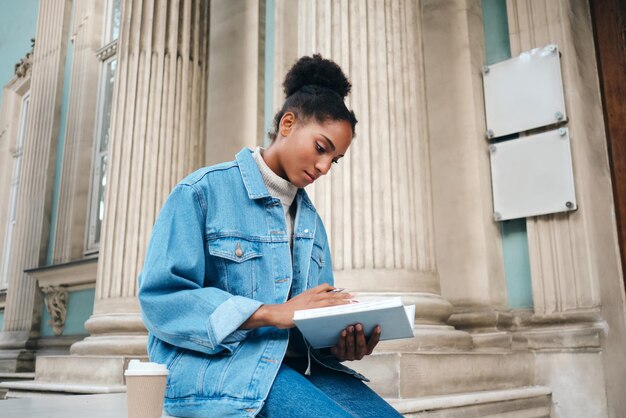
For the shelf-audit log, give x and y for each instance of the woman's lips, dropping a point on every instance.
(309, 178)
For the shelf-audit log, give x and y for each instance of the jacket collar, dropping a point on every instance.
(250, 174)
(253, 181)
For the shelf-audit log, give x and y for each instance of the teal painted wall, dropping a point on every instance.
(79, 309)
(514, 235)
(18, 25)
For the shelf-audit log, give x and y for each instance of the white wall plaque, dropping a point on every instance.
(532, 176)
(523, 93)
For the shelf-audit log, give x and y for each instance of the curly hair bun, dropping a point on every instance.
(316, 71)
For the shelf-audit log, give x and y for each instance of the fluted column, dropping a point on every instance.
(575, 261)
(377, 204)
(32, 226)
(158, 131)
(236, 76)
(71, 223)
(562, 264)
(468, 241)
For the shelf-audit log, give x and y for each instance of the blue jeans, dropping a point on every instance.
(325, 393)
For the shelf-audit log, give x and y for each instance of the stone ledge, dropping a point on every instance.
(429, 338)
(568, 337)
(417, 375)
(59, 388)
(534, 400)
(17, 376)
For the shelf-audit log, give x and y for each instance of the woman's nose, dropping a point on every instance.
(323, 165)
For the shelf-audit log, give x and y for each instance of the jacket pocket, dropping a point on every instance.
(186, 371)
(238, 262)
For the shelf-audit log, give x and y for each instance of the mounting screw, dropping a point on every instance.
(569, 205)
(489, 133)
(562, 131)
(497, 216)
(485, 70)
(492, 149)
(552, 48)
(559, 115)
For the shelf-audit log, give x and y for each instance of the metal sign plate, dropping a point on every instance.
(532, 176)
(524, 93)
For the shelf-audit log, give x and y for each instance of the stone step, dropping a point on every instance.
(522, 402)
(412, 375)
(66, 375)
(12, 377)
(100, 370)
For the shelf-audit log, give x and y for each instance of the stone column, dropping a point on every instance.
(158, 130)
(575, 261)
(236, 78)
(87, 22)
(469, 247)
(23, 304)
(377, 203)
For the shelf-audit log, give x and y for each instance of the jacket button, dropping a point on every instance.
(238, 250)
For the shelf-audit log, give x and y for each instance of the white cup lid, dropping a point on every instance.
(139, 368)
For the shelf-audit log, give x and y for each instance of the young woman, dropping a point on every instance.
(236, 249)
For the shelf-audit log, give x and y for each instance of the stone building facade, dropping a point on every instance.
(120, 99)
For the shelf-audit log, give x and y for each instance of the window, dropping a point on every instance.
(107, 55)
(15, 186)
(113, 21)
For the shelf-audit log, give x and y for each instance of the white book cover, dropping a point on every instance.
(321, 326)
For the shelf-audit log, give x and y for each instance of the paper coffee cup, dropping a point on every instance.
(145, 388)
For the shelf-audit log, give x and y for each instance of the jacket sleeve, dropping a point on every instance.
(175, 305)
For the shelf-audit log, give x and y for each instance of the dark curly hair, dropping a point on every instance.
(315, 87)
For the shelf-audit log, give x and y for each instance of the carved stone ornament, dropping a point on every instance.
(23, 68)
(56, 303)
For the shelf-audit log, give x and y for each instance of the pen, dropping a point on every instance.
(337, 290)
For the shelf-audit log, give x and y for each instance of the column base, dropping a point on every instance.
(116, 334)
(17, 352)
(430, 308)
(17, 361)
(112, 345)
(431, 338)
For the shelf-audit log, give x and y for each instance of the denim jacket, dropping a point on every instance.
(218, 251)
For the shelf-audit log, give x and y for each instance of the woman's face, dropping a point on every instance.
(308, 149)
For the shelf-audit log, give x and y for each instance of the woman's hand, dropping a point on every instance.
(352, 344)
(281, 315)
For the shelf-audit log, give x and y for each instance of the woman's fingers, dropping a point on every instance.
(361, 346)
(374, 339)
(353, 345)
(324, 287)
(329, 298)
(339, 350)
(350, 343)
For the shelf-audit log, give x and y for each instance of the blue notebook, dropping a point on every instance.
(321, 326)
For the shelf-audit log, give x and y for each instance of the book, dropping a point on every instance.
(322, 326)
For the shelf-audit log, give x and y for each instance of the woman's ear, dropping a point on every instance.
(287, 123)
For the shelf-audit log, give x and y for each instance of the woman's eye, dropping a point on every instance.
(335, 161)
(319, 148)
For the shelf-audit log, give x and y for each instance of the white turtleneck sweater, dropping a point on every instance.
(280, 189)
